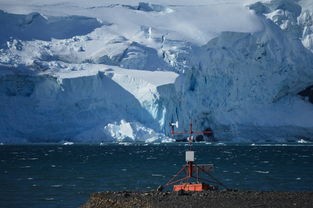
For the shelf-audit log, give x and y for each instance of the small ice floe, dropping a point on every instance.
(156, 175)
(1, 143)
(167, 141)
(262, 172)
(125, 143)
(33, 158)
(56, 185)
(298, 179)
(68, 143)
(302, 141)
(303, 156)
(27, 166)
(49, 199)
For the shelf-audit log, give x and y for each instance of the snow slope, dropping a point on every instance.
(121, 70)
(36, 26)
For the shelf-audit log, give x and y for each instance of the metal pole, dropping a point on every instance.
(190, 169)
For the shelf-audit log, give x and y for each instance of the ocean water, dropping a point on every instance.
(65, 176)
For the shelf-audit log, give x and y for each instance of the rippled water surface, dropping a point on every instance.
(64, 176)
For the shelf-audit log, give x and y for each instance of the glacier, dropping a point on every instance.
(121, 71)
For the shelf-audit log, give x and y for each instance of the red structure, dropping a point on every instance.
(192, 176)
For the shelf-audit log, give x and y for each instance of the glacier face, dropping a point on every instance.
(66, 106)
(238, 73)
(246, 86)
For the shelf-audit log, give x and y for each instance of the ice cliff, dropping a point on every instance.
(123, 71)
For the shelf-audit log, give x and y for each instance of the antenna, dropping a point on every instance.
(174, 124)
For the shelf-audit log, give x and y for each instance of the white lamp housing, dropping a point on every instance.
(190, 156)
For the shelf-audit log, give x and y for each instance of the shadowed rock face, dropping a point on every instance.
(213, 199)
(307, 93)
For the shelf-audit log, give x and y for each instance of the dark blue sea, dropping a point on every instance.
(64, 176)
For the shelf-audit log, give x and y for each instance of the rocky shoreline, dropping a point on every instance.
(212, 199)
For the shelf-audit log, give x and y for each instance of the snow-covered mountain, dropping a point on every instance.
(122, 70)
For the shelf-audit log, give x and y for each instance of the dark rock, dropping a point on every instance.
(212, 199)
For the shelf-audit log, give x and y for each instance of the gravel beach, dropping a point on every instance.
(211, 199)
